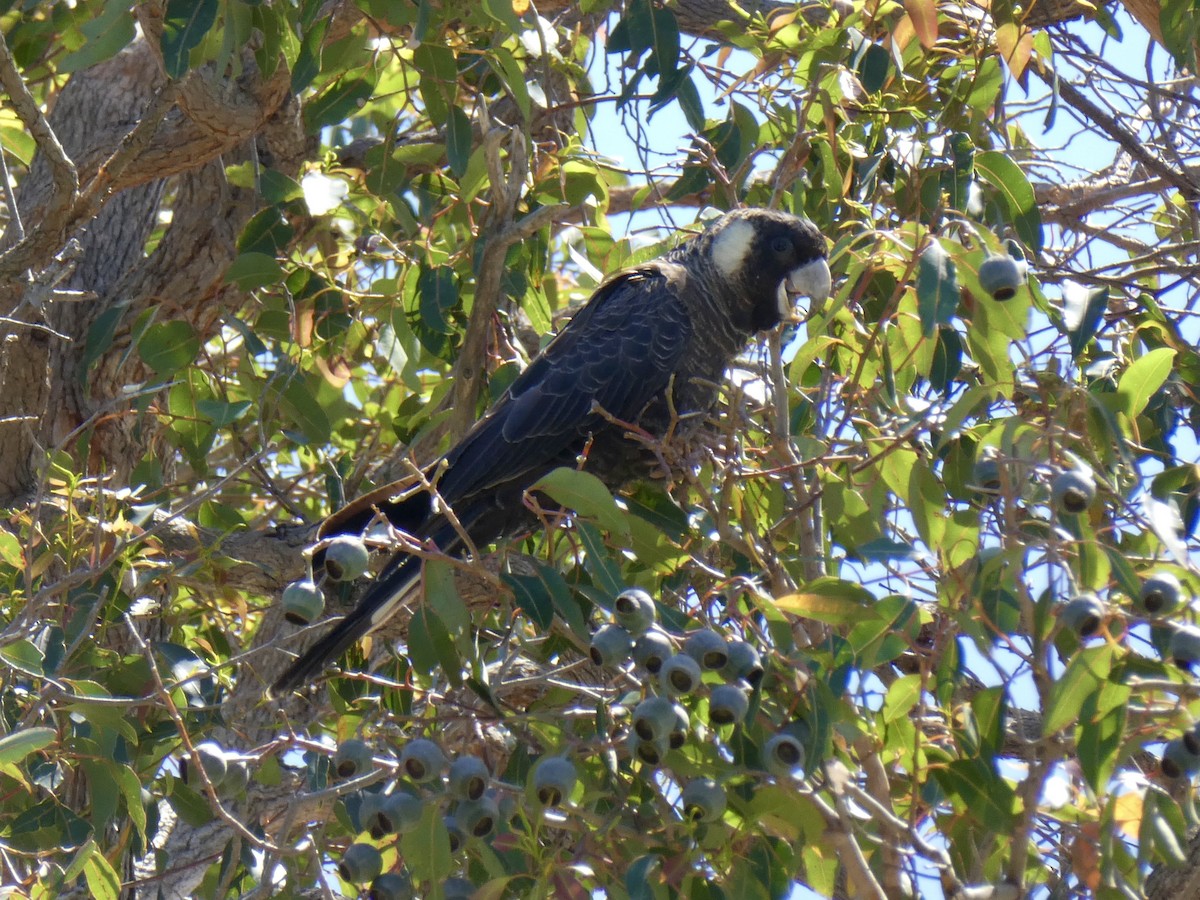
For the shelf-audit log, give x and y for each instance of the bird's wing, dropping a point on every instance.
(616, 355)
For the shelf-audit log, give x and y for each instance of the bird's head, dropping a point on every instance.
(769, 259)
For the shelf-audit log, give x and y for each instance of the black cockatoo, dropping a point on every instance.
(648, 349)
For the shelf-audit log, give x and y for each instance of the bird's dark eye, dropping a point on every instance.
(780, 245)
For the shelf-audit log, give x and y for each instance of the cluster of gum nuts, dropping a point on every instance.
(658, 723)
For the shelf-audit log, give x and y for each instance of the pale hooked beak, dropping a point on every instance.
(812, 280)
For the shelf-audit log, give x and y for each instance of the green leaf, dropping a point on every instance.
(901, 697)
(443, 598)
(989, 708)
(927, 502)
(438, 292)
(937, 288)
(308, 61)
(338, 102)
(532, 597)
(251, 271)
(1083, 311)
(830, 600)
(20, 744)
(458, 141)
(10, 551)
(1016, 193)
(598, 561)
(166, 347)
(1086, 671)
(104, 37)
(102, 879)
(426, 849)
(587, 495)
(184, 27)
(1101, 733)
(1143, 378)
(501, 11)
(23, 656)
(268, 232)
(981, 793)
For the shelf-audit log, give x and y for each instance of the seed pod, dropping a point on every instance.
(651, 752)
(468, 778)
(352, 758)
(302, 602)
(391, 886)
(346, 558)
(1185, 646)
(422, 760)
(728, 703)
(707, 648)
(703, 800)
(360, 862)
(478, 818)
(1160, 594)
(1083, 614)
(744, 662)
(1072, 491)
(400, 812)
(653, 718)
(635, 611)
(553, 780)
(1000, 276)
(679, 675)
(1181, 756)
(652, 649)
(611, 645)
(783, 754)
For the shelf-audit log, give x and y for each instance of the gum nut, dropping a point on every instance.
(635, 611)
(744, 662)
(553, 780)
(1000, 276)
(783, 755)
(211, 757)
(678, 736)
(652, 752)
(1083, 614)
(237, 778)
(679, 675)
(703, 800)
(352, 758)
(1160, 594)
(707, 648)
(346, 558)
(611, 645)
(478, 818)
(728, 703)
(457, 836)
(654, 717)
(400, 812)
(422, 760)
(652, 649)
(391, 886)
(1072, 491)
(986, 476)
(468, 778)
(369, 819)
(360, 862)
(1185, 646)
(1181, 757)
(303, 602)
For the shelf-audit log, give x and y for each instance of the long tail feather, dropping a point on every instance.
(392, 590)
